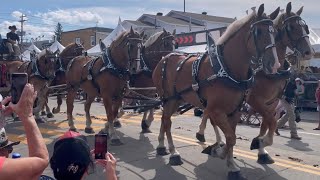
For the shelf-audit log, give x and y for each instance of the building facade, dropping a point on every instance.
(88, 36)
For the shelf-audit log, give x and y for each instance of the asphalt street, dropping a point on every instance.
(137, 159)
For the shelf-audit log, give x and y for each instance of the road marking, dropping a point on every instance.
(309, 133)
(242, 152)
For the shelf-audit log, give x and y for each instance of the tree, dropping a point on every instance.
(57, 32)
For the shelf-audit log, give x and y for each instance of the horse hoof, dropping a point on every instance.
(116, 142)
(175, 160)
(235, 176)
(16, 119)
(117, 124)
(144, 125)
(50, 115)
(89, 130)
(43, 113)
(162, 151)
(265, 159)
(73, 129)
(55, 110)
(200, 137)
(207, 150)
(40, 121)
(255, 144)
(144, 131)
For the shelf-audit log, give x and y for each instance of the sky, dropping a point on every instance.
(43, 15)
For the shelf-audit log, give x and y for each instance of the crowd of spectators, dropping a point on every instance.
(72, 158)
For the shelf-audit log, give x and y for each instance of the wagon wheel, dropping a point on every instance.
(244, 116)
(254, 120)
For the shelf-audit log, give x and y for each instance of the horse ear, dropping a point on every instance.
(142, 34)
(274, 15)
(131, 30)
(299, 11)
(102, 46)
(174, 32)
(164, 30)
(261, 10)
(288, 9)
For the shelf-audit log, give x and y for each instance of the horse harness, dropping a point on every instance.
(35, 72)
(220, 71)
(108, 66)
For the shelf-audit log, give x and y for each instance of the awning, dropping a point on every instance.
(193, 49)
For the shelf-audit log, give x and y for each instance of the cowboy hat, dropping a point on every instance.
(4, 142)
(13, 27)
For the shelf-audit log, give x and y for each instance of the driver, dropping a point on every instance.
(12, 41)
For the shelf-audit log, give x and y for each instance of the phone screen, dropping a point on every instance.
(18, 81)
(100, 148)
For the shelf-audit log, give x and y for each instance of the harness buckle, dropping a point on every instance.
(195, 86)
(89, 77)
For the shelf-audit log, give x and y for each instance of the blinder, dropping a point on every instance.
(254, 31)
(136, 59)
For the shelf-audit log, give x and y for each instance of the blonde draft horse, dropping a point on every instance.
(41, 72)
(292, 32)
(154, 49)
(71, 51)
(105, 76)
(221, 81)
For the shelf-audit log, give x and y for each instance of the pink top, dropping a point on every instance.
(2, 159)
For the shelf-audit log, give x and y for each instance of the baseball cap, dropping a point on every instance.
(71, 156)
(4, 141)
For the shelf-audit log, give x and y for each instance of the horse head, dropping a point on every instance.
(157, 46)
(261, 41)
(128, 45)
(46, 63)
(293, 32)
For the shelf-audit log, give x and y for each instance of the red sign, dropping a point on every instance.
(182, 39)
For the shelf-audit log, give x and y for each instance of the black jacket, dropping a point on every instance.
(13, 36)
(290, 92)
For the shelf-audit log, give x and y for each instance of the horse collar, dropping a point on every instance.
(145, 68)
(111, 67)
(61, 67)
(220, 70)
(36, 72)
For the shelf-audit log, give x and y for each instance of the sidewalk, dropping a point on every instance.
(309, 116)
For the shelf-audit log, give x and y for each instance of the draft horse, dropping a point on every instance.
(217, 81)
(41, 71)
(71, 51)
(292, 32)
(106, 76)
(154, 49)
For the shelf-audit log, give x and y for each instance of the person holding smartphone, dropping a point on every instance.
(26, 167)
(72, 158)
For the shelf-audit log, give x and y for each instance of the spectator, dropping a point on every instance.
(300, 88)
(318, 103)
(6, 146)
(288, 104)
(27, 167)
(71, 159)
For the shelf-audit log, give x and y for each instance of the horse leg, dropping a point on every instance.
(37, 109)
(146, 122)
(48, 111)
(87, 107)
(200, 134)
(263, 156)
(70, 99)
(224, 123)
(59, 102)
(120, 113)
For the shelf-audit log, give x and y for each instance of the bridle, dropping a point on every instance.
(75, 52)
(257, 60)
(35, 71)
(286, 28)
(136, 59)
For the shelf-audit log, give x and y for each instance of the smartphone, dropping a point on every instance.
(18, 81)
(100, 146)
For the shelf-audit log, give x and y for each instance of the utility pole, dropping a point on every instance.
(21, 31)
(184, 5)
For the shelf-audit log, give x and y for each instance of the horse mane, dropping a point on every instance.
(278, 21)
(119, 39)
(153, 39)
(234, 27)
(42, 53)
